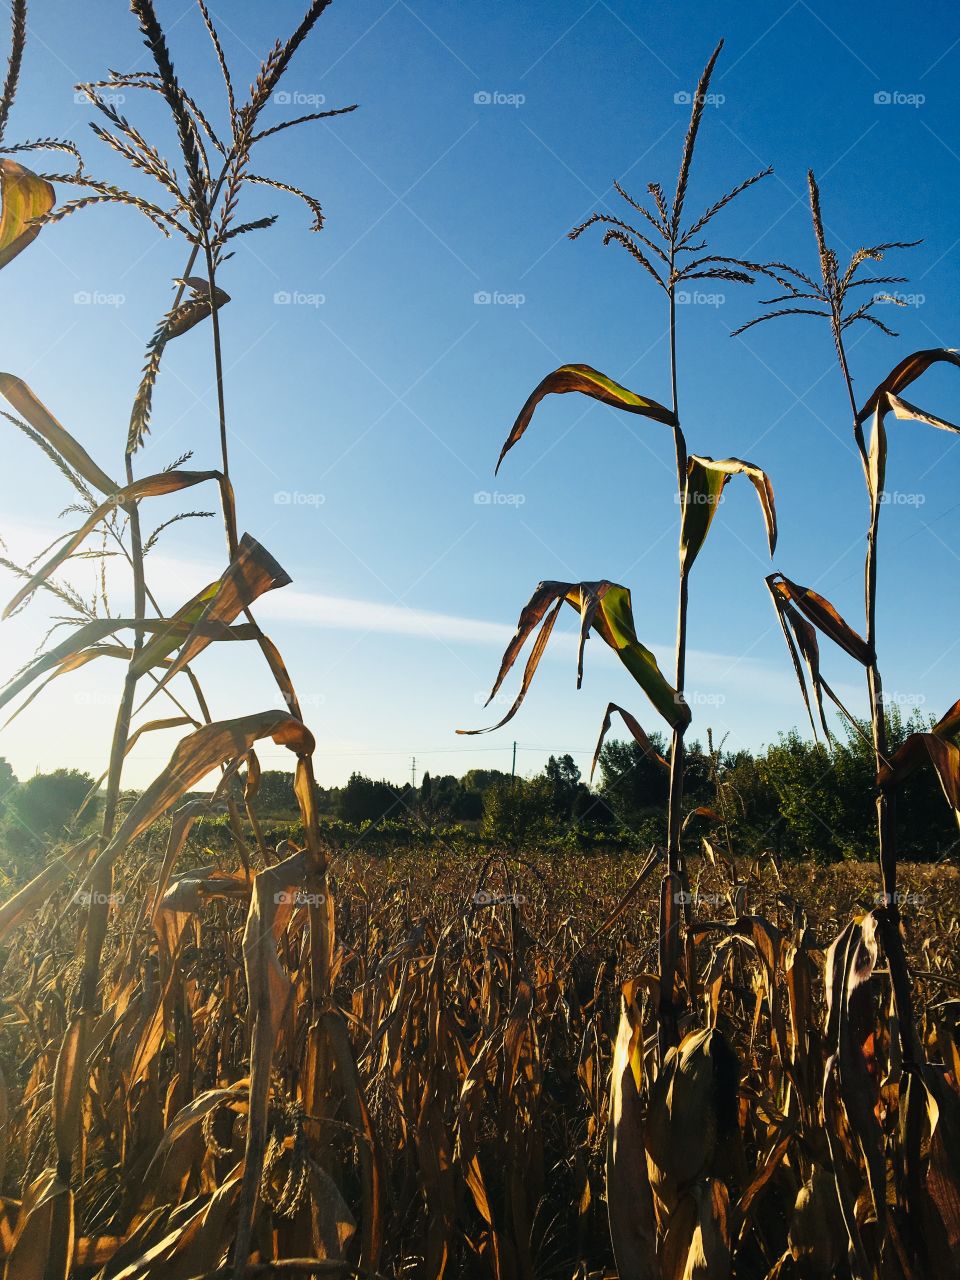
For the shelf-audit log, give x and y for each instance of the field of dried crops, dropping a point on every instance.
(461, 1123)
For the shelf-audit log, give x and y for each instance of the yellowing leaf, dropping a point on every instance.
(589, 382)
(24, 197)
(605, 608)
(706, 480)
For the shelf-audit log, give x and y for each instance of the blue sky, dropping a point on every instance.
(369, 391)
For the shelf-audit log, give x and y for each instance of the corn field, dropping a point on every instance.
(300, 1061)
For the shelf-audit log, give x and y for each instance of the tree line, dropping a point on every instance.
(796, 797)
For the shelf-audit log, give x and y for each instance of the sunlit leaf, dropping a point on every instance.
(706, 480)
(636, 732)
(605, 608)
(24, 197)
(589, 382)
(823, 615)
(42, 420)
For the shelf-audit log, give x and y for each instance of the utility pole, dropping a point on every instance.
(413, 773)
(513, 768)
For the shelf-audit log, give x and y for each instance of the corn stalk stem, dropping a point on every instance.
(885, 801)
(669, 922)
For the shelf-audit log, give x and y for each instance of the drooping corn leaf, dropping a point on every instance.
(270, 989)
(46, 1232)
(74, 652)
(948, 726)
(823, 615)
(23, 400)
(935, 748)
(614, 624)
(252, 572)
(180, 624)
(69, 1086)
(886, 398)
(35, 892)
(706, 480)
(148, 487)
(605, 608)
(907, 371)
(633, 1231)
(589, 382)
(24, 197)
(636, 731)
(194, 757)
(850, 963)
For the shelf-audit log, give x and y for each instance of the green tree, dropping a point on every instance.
(38, 810)
(563, 779)
(516, 811)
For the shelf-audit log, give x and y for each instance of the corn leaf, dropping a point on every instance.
(23, 400)
(706, 480)
(589, 382)
(25, 197)
(148, 487)
(605, 608)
